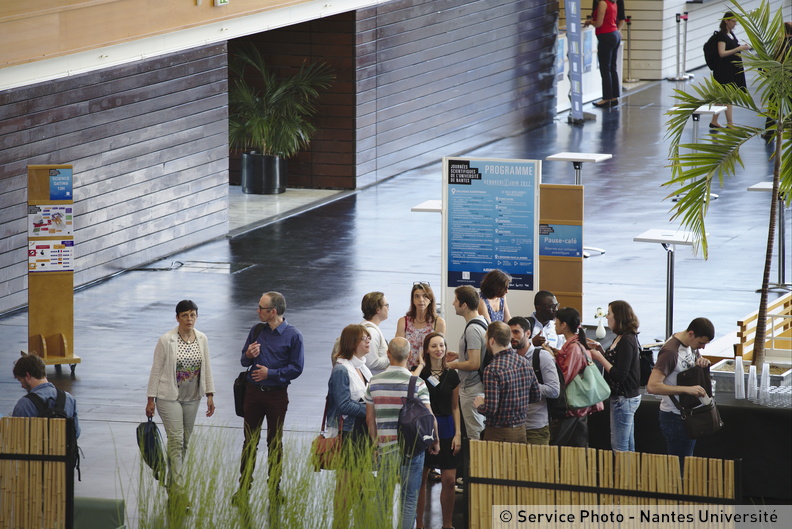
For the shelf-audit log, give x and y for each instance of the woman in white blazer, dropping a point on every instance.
(180, 376)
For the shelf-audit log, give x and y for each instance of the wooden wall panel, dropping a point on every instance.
(443, 77)
(417, 81)
(149, 145)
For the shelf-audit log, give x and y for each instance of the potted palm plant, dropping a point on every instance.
(695, 165)
(269, 118)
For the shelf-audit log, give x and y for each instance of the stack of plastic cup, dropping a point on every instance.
(764, 385)
(751, 393)
(739, 378)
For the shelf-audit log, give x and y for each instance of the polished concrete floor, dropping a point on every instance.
(324, 259)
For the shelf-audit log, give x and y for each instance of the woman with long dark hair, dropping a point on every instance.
(572, 358)
(622, 363)
(443, 385)
(730, 68)
(420, 320)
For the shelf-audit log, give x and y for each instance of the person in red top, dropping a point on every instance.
(573, 356)
(605, 18)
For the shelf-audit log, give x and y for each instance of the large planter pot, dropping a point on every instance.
(263, 174)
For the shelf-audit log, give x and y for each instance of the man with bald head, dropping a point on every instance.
(384, 400)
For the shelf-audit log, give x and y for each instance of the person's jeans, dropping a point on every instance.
(178, 419)
(607, 53)
(677, 441)
(411, 472)
(622, 419)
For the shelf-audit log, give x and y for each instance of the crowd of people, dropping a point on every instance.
(505, 382)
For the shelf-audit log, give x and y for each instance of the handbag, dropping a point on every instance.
(326, 451)
(149, 441)
(700, 421)
(240, 384)
(587, 388)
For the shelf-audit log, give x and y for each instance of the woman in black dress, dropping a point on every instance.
(443, 385)
(730, 68)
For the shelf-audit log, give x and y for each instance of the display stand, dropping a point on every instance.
(577, 159)
(51, 265)
(668, 239)
(781, 285)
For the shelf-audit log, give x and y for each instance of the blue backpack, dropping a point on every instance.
(416, 426)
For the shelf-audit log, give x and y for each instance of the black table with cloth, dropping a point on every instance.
(759, 435)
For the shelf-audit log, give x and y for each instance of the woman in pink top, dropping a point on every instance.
(573, 356)
(605, 18)
(419, 321)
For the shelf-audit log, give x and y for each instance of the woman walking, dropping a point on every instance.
(180, 376)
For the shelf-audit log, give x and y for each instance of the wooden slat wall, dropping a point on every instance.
(149, 145)
(439, 78)
(417, 81)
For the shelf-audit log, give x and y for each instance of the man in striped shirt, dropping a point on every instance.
(509, 386)
(384, 400)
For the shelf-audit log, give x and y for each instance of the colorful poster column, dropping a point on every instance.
(491, 220)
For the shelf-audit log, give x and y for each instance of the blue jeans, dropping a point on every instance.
(607, 53)
(622, 419)
(410, 473)
(677, 441)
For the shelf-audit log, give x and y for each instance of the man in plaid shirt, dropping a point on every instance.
(509, 386)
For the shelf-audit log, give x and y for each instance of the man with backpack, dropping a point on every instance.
(387, 394)
(31, 372)
(467, 361)
(537, 425)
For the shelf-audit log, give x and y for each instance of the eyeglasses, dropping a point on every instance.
(386, 305)
(366, 338)
(265, 308)
(421, 283)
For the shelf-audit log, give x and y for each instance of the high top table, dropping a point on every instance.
(577, 159)
(669, 239)
(781, 284)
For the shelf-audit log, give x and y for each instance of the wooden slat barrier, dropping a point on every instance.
(33, 474)
(521, 474)
(779, 328)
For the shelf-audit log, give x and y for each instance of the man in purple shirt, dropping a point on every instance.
(274, 353)
(509, 386)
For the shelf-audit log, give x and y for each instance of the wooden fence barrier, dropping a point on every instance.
(778, 328)
(523, 474)
(36, 478)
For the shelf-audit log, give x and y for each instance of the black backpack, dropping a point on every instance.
(711, 52)
(416, 426)
(486, 355)
(56, 409)
(556, 407)
(151, 451)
